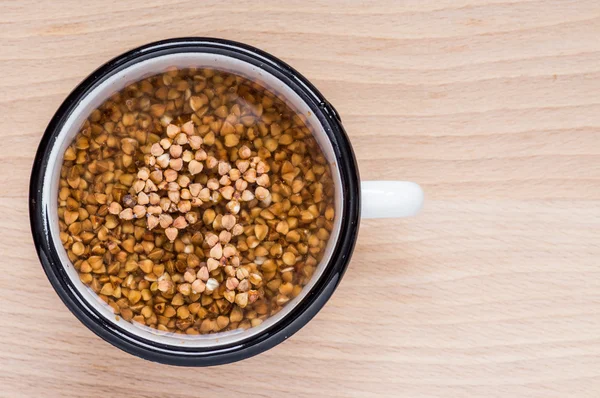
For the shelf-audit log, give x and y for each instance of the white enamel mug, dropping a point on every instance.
(353, 200)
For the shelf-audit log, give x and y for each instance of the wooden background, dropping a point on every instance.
(492, 105)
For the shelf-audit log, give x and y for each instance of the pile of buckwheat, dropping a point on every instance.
(195, 201)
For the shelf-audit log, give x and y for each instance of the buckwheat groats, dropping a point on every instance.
(195, 201)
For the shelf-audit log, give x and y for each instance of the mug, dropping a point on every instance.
(372, 199)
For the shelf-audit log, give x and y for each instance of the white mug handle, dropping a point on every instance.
(390, 199)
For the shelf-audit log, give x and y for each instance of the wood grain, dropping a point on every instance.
(492, 105)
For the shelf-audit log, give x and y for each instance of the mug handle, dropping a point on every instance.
(390, 199)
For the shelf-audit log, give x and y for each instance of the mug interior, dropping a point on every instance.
(138, 71)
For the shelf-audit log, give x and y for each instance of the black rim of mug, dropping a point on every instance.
(293, 321)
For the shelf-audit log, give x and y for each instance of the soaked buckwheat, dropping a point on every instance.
(195, 201)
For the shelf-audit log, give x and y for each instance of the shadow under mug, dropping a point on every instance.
(375, 199)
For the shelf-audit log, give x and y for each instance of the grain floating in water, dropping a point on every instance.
(195, 201)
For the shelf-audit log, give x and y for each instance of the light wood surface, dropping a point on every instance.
(492, 105)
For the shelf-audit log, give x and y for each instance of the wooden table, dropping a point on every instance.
(492, 105)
